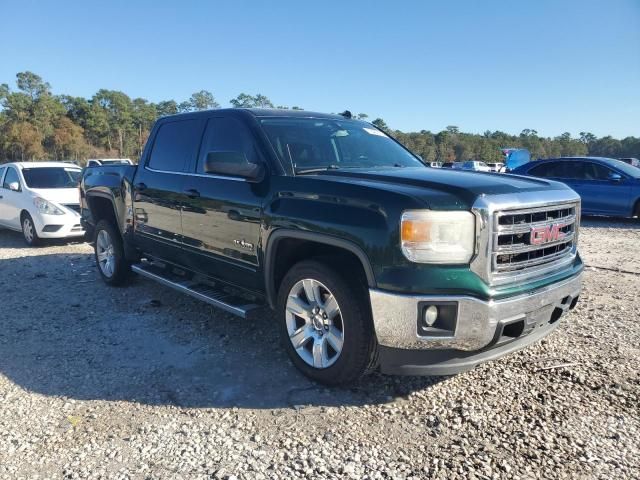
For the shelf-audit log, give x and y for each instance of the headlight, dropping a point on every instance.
(46, 207)
(429, 236)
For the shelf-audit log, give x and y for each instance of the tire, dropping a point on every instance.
(109, 254)
(333, 349)
(29, 232)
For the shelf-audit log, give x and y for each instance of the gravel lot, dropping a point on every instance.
(145, 383)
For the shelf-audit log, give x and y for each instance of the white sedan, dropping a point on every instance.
(41, 199)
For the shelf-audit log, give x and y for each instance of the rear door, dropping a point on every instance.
(159, 187)
(222, 217)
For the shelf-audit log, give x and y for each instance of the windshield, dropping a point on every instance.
(309, 144)
(51, 177)
(626, 168)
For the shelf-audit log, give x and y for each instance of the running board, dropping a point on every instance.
(207, 293)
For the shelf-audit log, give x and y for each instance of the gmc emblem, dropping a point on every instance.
(546, 234)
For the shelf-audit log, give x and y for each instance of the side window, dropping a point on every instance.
(572, 170)
(226, 140)
(176, 143)
(594, 171)
(550, 170)
(10, 177)
(2, 169)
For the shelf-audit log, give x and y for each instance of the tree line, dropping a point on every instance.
(35, 124)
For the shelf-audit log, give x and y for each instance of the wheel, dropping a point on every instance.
(29, 231)
(326, 324)
(109, 253)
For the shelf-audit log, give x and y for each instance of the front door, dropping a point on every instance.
(222, 216)
(159, 188)
(11, 201)
(598, 192)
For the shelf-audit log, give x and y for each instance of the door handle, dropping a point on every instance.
(192, 193)
(141, 186)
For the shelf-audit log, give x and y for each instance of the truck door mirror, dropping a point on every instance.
(14, 186)
(233, 164)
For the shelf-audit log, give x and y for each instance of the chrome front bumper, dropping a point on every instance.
(478, 324)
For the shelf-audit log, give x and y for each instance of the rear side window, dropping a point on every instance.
(2, 169)
(12, 176)
(227, 140)
(550, 170)
(176, 144)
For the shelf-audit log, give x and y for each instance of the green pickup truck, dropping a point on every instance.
(370, 259)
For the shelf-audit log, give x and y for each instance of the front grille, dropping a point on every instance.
(526, 241)
(73, 206)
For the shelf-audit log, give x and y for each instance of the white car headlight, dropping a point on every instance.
(46, 207)
(429, 236)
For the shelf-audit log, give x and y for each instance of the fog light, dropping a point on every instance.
(430, 315)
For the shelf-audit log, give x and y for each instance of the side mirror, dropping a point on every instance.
(233, 164)
(14, 186)
(615, 177)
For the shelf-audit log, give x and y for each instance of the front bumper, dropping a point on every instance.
(57, 226)
(480, 332)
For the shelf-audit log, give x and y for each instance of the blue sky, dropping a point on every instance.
(550, 65)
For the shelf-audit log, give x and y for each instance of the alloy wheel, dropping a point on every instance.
(27, 230)
(314, 323)
(105, 253)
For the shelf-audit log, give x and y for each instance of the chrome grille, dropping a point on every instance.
(531, 240)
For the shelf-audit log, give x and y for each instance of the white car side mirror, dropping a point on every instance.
(15, 186)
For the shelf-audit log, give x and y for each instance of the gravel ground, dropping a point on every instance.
(145, 383)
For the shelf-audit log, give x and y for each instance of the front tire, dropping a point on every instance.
(29, 232)
(109, 254)
(325, 324)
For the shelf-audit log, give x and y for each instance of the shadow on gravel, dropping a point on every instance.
(610, 222)
(64, 333)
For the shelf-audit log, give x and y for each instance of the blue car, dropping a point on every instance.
(606, 186)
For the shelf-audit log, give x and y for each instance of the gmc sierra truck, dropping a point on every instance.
(370, 258)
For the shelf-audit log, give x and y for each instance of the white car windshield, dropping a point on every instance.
(51, 177)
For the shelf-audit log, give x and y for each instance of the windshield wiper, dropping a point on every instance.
(317, 169)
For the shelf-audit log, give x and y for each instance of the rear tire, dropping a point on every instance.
(109, 254)
(29, 232)
(325, 324)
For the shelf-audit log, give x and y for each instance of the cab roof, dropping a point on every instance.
(260, 112)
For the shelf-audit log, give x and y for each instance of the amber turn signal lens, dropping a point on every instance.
(416, 231)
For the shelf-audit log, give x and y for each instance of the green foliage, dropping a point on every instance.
(37, 125)
(380, 123)
(250, 101)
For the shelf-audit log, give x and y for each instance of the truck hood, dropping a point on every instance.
(58, 195)
(451, 187)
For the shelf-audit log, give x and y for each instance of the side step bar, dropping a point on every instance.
(202, 291)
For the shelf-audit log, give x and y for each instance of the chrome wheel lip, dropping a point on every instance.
(27, 230)
(105, 253)
(322, 332)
